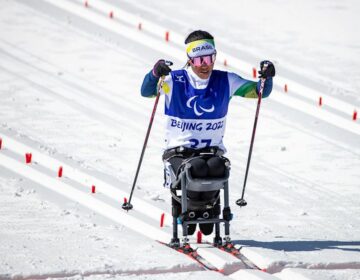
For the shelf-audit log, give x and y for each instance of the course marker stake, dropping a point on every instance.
(162, 219)
(28, 157)
(60, 172)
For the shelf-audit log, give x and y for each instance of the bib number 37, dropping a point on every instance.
(196, 142)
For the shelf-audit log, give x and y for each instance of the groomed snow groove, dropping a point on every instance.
(105, 273)
(11, 157)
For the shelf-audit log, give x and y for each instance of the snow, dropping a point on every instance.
(43, 240)
(69, 89)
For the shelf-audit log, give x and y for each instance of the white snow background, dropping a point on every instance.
(70, 80)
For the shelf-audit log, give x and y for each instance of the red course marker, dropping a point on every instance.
(320, 101)
(0, 143)
(354, 119)
(162, 219)
(167, 35)
(28, 157)
(93, 189)
(60, 172)
(199, 237)
(254, 72)
(285, 88)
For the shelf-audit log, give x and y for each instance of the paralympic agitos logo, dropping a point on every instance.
(198, 109)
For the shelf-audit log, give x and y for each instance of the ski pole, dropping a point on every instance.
(241, 201)
(127, 205)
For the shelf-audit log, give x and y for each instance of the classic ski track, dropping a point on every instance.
(315, 188)
(113, 273)
(279, 266)
(81, 177)
(31, 172)
(81, 93)
(77, 176)
(71, 79)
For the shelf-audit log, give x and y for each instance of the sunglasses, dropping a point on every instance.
(200, 60)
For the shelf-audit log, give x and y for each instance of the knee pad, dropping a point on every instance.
(199, 168)
(216, 166)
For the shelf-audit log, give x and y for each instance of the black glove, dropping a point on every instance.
(267, 69)
(161, 68)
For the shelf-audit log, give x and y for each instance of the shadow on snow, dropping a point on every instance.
(300, 245)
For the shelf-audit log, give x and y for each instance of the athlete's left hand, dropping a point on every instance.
(267, 69)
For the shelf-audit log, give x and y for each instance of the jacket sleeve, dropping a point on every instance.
(149, 85)
(246, 88)
(267, 87)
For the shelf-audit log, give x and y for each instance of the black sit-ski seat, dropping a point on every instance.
(196, 190)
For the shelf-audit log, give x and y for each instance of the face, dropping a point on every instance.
(203, 71)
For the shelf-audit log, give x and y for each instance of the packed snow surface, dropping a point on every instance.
(70, 80)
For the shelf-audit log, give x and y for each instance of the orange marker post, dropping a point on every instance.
(60, 172)
(162, 219)
(28, 157)
(199, 237)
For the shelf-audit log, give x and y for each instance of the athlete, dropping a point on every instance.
(196, 103)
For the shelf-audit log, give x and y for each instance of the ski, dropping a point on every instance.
(231, 249)
(191, 253)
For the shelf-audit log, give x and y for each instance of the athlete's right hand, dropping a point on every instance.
(161, 68)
